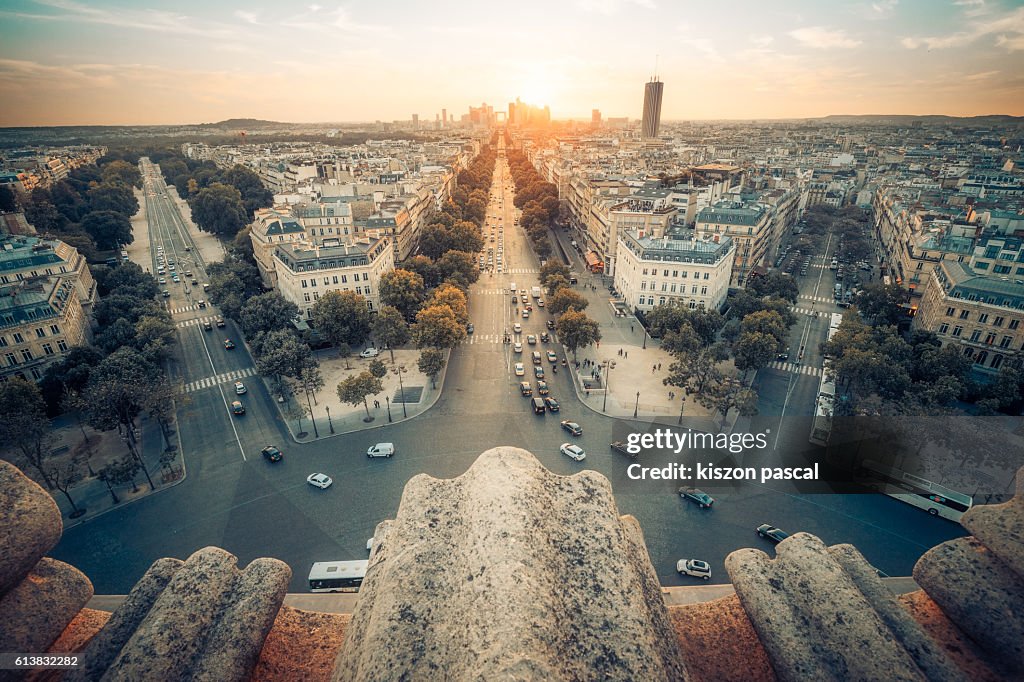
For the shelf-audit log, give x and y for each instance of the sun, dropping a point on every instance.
(536, 91)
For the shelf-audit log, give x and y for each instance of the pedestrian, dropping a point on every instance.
(659, 366)
(630, 329)
(654, 368)
(626, 354)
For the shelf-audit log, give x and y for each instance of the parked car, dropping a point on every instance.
(369, 353)
(322, 481)
(696, 495)
(620, 447)
(573, 451)
(271, 454)
(572, 427)
(776, 535)
(229, 344)
(237, 408)
(166, 293)
(694, 567)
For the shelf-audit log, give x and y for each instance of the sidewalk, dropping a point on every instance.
(91, 494)
(335, 418)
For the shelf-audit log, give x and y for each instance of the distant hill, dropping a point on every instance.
(248, 123)
(927, 118)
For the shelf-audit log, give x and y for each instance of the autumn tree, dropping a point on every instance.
(566, 299)
(403, 290)
(576, 330)
(431, 362)
(356, 388)
(437, 326)
(390, 329)
(341, 317)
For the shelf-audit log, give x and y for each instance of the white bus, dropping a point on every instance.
(337, 576)
(906, 487)
(824, 404)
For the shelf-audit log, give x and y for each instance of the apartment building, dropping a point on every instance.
(271, 228)
(659, 270)
(749, 225)
(43, 284)
(305, 272)
(984, 316)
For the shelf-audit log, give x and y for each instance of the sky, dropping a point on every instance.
(133, 62)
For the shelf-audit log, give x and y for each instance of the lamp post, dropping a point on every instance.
(329, 422)
(682, 402)
(637, 406)
(644, 327)
(387, 399)
(608, 372)
(399, 371)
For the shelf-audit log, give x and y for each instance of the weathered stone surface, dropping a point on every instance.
(35, 611)
(302, 645)
(30, 525)
(927, 653)
(232, 649)
(1000, 527)
(105, 647)
(811, 618)
(965, 653)
(510, 572)
(718, 642)
(980, 593)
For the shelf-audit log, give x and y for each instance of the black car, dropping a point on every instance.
(220, 321)
(551, 324)
(207, 326)
(469, 328)
(271, 454)
(551, 403)
(572, 427)
(229, 344)
(697, 495)
(776, 535)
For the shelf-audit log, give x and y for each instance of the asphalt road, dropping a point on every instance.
(234, 499)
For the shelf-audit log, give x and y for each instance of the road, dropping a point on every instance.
(234, 499)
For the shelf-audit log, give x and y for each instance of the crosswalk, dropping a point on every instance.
(818, 299)
(521, 271)
(472, 339)
(795, 368)
(221, 378)
(803, 311)
(195, 322)
(187, 309)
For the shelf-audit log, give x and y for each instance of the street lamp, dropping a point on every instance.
(637, 406)
(387, 399)
(607, 364)
(329, 422)
(399, 371)
(682, 402)
(644, 327)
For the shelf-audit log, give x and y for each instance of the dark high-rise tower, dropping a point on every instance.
(652, 108)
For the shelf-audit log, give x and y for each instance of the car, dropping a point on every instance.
(526, 314)
(573, 451)
(517, 328)
(271, 454)
(538, 371)
(201, 303)
(163, 280)
(207, 326)
(171, 265)
(572, 427)
(776, 535)
(544, 337)
(782, 356)
(322, 481)
(229, 344)
(542, 388)
(696, 495)
(195, 282)
(525, 388)
(175, 280)
(381, 450)
(518, 347)
(531, 340)
(694, 567)
(206, 287)
(540, 303)
(240, 388)
(551, 324)
(237, 408)
(552, 357)
(166, 293)
(219, 321)
(470, 328)
(520, 370)
(552, 404)
(369, 353)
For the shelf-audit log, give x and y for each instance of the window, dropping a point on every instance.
(696, 275)
(40, 332)
(305, 297)
(661, 300)
(997, 361)
(707, 275)
(673, 288)
(26, 355)
(645, 271)
(950, 312)
(1013, 324)
(983, 318)
(643, 286)
(359, 290)
(964, 314)
(703, 291)
(326, 281)
(335, 279)
(62, 346)
(366, 276)
(981, 357)
(675, 273)
(693, 290)
(981, 265)
(664, 273)
(990, 339)
(957, 330)
(998, 322)
(1001, 269)
(316, 295)
(366, 290)
(344, 279)
(54, 329)
(18, 338)
(975, 335)
(303, 284)
(1005, 342)
(943, 328)
(664, 286)
(48, 349)
(11, 360)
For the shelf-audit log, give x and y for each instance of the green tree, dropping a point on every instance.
(390, 329)
(312, 381)
(882, 304)
(425, 268)
(355, 389)
(153, 337)
(8, 201)
(431, 362)
(377, 368)
(282, 354)
(345, 352)
(218, 209)
(754, 350)
(126, 279)
(121, 172)
(254, 195)
(68, 201)
(566, 299)
(113, 197)
(341, 317)
(453, 297)
(550, 270)
(576, 330)
(727, 395)
(457, 267)
(766, 322)
(267, 312)
(43, 215)
(403, 290)
(25, 426)
(775, 284)
(437, 326)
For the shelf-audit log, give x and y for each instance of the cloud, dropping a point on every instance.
(882, 8)
(1007, 30)
(762, 41)
(984, 75)
(335, 22)
(823, 38)
(610, 7)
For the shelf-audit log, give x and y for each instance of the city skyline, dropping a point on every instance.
(65, 62)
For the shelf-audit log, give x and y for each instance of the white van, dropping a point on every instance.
(512, 288)
(381, 450)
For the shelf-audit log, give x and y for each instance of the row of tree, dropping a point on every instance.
(537, 199)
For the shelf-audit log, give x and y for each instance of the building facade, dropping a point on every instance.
(748, 224)
(651, 121)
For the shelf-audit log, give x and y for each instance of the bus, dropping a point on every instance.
(824, 404)
(594, 264)
(906, 487)
(337, 576)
